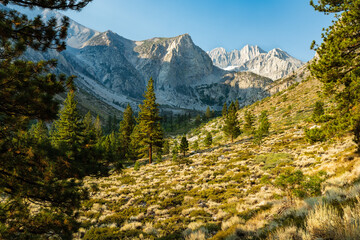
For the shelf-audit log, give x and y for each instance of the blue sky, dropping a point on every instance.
(287, 24)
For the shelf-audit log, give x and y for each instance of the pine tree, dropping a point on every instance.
(263, 129)
(184, 145)
(249, 121)
(175, 150)
(208, 113)
(150, 131)
(137, 148)
(78, 143)
(39, 132)
(338, 63)
(208, 139)
(110, 146)
(264, 124)
(69, 129)
(98, 128)
(231, 127)
(197, 120)
(224, 110)
(126, 128)
(237, 105)
(166, 147)
(89, 131)
(196, 145)
(32, 170)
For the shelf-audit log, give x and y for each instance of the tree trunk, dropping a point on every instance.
(150, 154)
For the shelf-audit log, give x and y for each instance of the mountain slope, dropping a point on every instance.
(218, 192)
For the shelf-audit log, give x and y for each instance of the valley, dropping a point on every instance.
(107, 138)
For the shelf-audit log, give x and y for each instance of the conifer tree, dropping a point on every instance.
(32, 171)
(263, 129)
(337, 64)
(166, 147)
(137, 148)
(78, 143)
(98, 128)
(150, 131)
(196, 145)
(237, 105)
(69, 135)
(39, 132)
(224, 110)
(126, 128)
(89, 131)
(231, 127)
(175, 150)
(208, 139)
(249, 121)
(197, 119)
(264, 124)
(110, 146)
(184, 145)
(208, 113)
(69, 128)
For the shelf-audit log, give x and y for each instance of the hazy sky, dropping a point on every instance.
(287, 24)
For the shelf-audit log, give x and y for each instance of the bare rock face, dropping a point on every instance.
(173, 62)
(246, 87)
(274, 64)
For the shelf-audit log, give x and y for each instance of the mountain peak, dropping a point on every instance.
(254, 48)
(277, 52)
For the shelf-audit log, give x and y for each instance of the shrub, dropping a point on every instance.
(318, 111)
(295, 184)
(315, 135)
(137, 166)
(208, 139)
(326, 222)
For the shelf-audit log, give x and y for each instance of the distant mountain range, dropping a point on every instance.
(274, 64)
(115, 70)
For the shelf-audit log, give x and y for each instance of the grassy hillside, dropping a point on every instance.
(229, 191)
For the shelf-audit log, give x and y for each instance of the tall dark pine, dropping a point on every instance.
(224, 110)
(150, 132)
(126, 128)
(237, 105)
(29, 171)
(231, 127)
(69, 134)
(184, 145)
(338, 63)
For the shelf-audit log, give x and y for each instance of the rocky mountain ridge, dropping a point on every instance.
(274, 64)
(115, 69)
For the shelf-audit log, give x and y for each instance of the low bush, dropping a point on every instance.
(315, 135)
